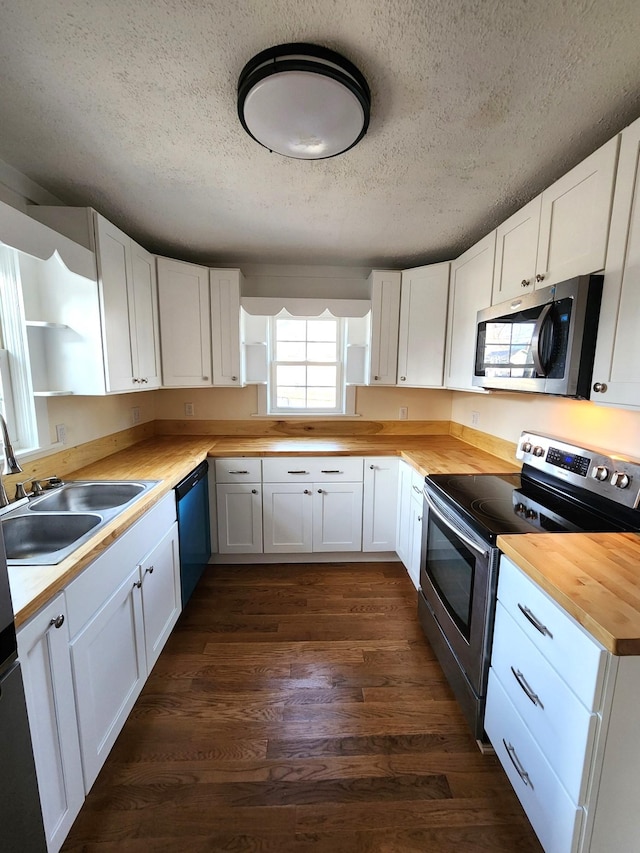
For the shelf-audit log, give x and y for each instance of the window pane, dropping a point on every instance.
(321, 352)
(291, 398)
(322, 330)
(291, 330)
(291, 375)
(321, 398)
(291, 351)
(321, 376)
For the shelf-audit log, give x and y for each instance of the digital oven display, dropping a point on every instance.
(569, 461)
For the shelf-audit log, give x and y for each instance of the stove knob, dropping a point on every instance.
(520, 508)
(526, 447)
(600, 472)
(538, 451)
(620, 479)
(532, 514)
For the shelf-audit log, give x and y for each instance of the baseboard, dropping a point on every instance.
(325, 557)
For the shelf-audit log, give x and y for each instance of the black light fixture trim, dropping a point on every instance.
(274, 60)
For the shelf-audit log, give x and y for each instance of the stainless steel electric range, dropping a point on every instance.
(562, 488)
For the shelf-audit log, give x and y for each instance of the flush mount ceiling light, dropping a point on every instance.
(303, 101)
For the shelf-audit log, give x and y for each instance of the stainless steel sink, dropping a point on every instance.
(87, 497)
(50, 527)
(30, 537)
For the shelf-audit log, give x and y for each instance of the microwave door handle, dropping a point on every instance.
(535, 340)
(467, 541)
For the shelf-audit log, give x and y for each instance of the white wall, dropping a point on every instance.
(506, 415)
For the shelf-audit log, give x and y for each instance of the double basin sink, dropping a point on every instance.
(51, 527)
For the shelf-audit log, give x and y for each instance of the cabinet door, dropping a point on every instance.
(514, 271)
(403, 525)
(114, 274)
(471, 281)
(423, 322)
(337, 516)
(415, 541)
(385, 315)
(617, 361)
(161, 599)
(575, 215)
(225, 327)
(239, 518)
(380, 503)
(109, 671)
(287, 510)
(146, 335)
(43, 650)
(185, 330)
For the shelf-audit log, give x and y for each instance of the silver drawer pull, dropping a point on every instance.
(529, 693)
(416, 489)
(537, 624)
(333, 471)
(522, 773)
(297, 472)
(237, 472)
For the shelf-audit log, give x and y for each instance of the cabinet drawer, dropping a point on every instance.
(559, 723)
(555, 818)
(240, 470)
(573, 653)
(312, 469)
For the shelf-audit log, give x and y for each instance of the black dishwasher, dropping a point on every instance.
(192, 499)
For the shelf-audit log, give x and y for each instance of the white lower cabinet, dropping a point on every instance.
(380, 503)
(409, 520)
(562, 716)
(43, 650)
(337, 516)
(121, 610)
(287, 510)
(239, 511)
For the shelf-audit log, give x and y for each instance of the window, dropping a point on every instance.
(306, 371)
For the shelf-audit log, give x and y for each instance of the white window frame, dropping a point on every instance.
(345, 396)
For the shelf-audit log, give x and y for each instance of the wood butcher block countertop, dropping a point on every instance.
(594, 576)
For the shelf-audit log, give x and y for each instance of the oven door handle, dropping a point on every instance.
(466, 539)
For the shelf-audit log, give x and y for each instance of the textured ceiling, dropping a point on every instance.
(477, 105)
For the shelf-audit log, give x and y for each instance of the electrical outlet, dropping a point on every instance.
(189, 410)
(475, 418)
(403, 414)
(61, 433)
(135, 415)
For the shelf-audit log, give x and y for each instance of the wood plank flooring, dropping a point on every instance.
(299, 709)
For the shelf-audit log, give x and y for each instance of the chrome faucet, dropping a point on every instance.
(11, 465)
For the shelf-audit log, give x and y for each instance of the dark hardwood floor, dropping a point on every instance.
(298, 708)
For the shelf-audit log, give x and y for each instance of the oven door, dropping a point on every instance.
(458, 578)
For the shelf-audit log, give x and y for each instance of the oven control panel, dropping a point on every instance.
(614, 477)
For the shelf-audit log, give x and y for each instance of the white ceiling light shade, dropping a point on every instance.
(303, 101)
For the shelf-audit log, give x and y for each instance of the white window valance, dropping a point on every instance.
(271, 306)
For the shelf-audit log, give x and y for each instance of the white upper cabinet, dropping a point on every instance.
(470, 292)
(423, 322)
(574, 218)
(514, 271)
(225, 327)
(616, 371)
(561, 233)
(129, 299)
(185, 327)
(385, 315)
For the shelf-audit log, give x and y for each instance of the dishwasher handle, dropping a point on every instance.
(192, 479)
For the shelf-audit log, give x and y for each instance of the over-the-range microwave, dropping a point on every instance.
(543, 342)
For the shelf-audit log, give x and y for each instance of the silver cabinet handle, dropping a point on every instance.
(529, 693)
(522, 773)
(137, 584)
(403, 379)
(254, 491)
(330, 471)
(372, 467)
(537, 624)
(144, 380)
(134, 380)
(297, 472)
(58, 622)
(376, 378)
(600, 387)
(205, 378)
(237, 472)
(307, 491)
(234, 378)
(416, 489)
(149, 570)
(540, 276)
(319, 491)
